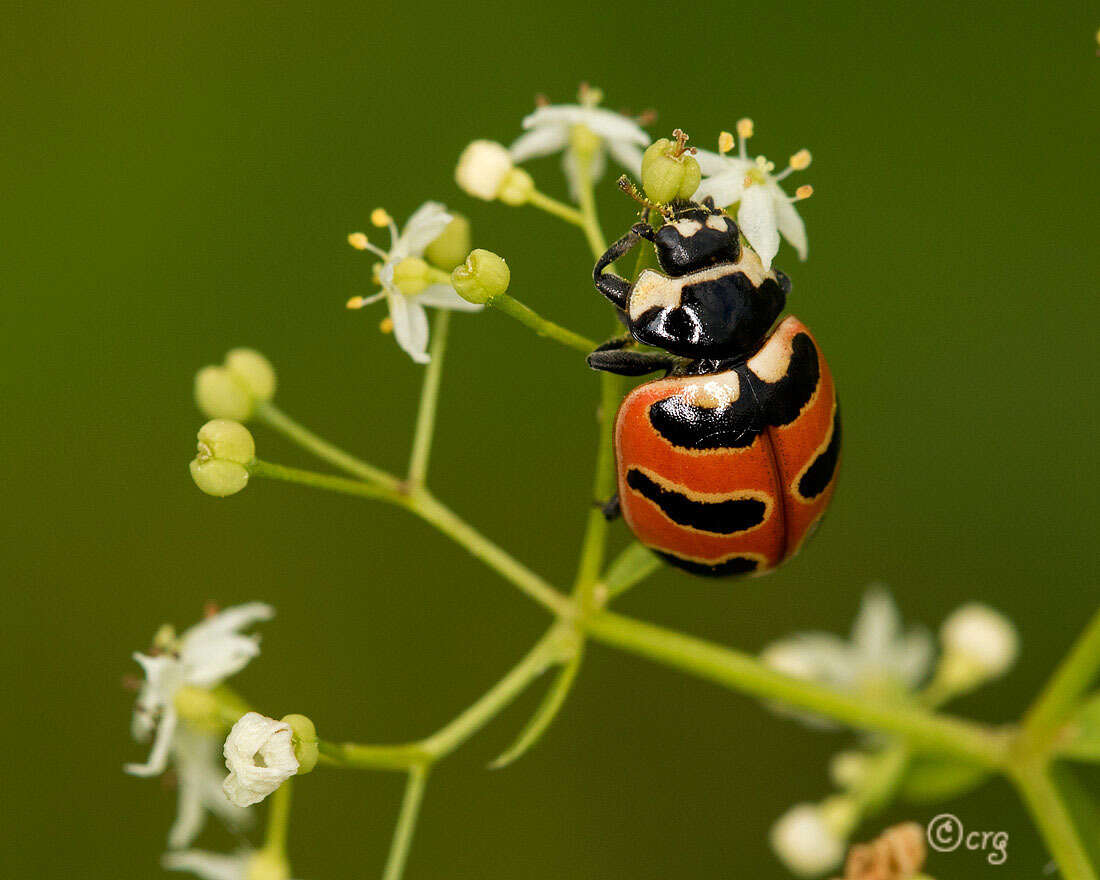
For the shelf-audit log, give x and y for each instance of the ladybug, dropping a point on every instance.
(727, 464)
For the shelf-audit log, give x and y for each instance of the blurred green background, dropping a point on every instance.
(178, 179)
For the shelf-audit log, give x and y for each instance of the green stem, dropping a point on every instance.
(429, 401)
(559, 209)
(406, 823)
(275, 418)
(315, 480)
(1053, 820)
(530, 318)
(743, 672)
(278, 820)
(633, 565)
(594, 544)
(432, 511)
(1069, 683)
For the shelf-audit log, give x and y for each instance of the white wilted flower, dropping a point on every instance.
(259, 753)
(805, 842)
(203, 656)
(550, 130)
(979, 644)
(408, 283)
(878, 658)
(245, 864)
(764, 210)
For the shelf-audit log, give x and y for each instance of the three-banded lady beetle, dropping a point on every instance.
(727, 464)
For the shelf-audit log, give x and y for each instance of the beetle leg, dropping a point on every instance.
(630, 363)
(612, 286)
(611, 508)
(616, 343)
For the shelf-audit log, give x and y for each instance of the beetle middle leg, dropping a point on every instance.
(630, 363)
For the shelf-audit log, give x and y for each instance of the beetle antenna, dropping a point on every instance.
(631, 190)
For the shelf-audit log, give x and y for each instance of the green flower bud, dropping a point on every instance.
(225, 449)
(483, 276)
(516, 188)
(304, 740)
(219, 395)
(232, 390)
(669, 172)
(450, 249)
(253, 371)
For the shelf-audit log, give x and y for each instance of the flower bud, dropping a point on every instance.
(848, 769)
(516, 188)
(979, 644)
(805, 842)
(669, 172)
(450, 249)
(483, 276)
(411, 275)
(225, 449)
(259, 754)
(231, 391)
(253, 371)
(304, 740)
(220, 396)
(482, 168)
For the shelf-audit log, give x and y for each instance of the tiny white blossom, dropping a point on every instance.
(482, 168)
(981, 638)
(549, 129)
(805, 843)
(245, 864)
(259, 753)
(203, 656)
(878, 656)
(764, 210)
(410, 321)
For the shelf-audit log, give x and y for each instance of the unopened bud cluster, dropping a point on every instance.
(233, 389)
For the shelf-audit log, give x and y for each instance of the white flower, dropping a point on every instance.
(426, 286)
(482, 168)
(804, 841)
(259, 753)
(879, 657)
(765, 210)
(549, 130)
(980, 641)
(245, 864)
(204, 656)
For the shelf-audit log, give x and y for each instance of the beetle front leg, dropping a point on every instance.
(612, 286)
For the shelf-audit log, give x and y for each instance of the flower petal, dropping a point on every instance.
(572, 174)
(613, 126)
(443, 296)
(756, 217)
(423, 227)
(410, 326)
(713, 164)
(162, 744)
(789, 222)
(725, 188)
(208, 865)
(541, 141)
(876, 628)
(628, 155)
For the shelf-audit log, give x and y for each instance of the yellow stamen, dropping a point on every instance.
(803, 192)
(356, 302)
(358, 241)
(744, 128)
(800, 161)
(380, 218)
(386, 325)
(725, 142)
